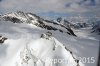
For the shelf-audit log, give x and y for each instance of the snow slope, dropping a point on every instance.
(19, 35)
(25, 47)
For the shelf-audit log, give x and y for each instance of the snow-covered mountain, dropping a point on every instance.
(20, 17)
(74, 22)
(47, 52)
(32, 48)
(28, 40)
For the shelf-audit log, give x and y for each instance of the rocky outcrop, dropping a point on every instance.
(2, 39)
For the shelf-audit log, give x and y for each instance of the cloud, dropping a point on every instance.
(58, 6)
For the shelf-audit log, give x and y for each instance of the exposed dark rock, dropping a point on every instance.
(12, 19)
(71, 31)
(46, 35)
(2, 39)
(59, 19)
(73, 56)
(60, 30)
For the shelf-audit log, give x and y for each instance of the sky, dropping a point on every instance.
(52, 8)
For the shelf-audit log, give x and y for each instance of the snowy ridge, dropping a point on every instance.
(29, 45)
(21, 17)
(39, 54)
(37, 51)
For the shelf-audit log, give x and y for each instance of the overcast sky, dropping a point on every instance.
(55, 7)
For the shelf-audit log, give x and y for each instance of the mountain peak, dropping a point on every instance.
(21, 17)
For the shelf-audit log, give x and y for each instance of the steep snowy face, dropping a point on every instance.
(14, 16)
(46, 51)
(21, 17)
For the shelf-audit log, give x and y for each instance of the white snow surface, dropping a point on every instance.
(24, 47)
